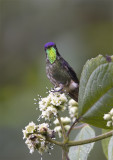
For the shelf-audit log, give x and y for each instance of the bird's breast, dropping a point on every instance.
(56, 72)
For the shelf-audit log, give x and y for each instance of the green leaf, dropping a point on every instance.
(96, 91)
(110, 149)
(82, 151)
(105, 143)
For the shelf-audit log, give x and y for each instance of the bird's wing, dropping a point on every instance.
(70, 71)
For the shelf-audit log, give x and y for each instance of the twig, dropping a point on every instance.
(80, 126)
(74, 123)
(97, 138)
(63, 130)
(54, 142)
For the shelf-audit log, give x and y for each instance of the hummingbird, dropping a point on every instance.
(60, 73)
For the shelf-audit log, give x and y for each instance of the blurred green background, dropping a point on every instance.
(81, 29)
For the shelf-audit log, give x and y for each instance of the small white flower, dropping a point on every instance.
(67, 127)
(30, 145)
(111, 112)
(37, 143)
(42, 128)
(43, 148)
(49, 112)
(56, 122)
(109, 124)
(29, 129)
(65, 120)
(58, 130)
(35, 136)
(63, 98)
(50, 105)
(73, 103)
(44, 103)
(73, 111)
(107, 116)
(55, 100)
(24, 134)
(112, 118)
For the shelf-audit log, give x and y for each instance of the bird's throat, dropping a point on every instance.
(51, 53)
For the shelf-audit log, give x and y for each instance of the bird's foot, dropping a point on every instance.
(58, 89)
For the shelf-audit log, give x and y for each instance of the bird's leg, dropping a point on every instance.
(59, 88)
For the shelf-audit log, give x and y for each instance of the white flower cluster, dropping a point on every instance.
(35, 136)
(50, 105)
(73, 109)
(66, 123)
(109, 118)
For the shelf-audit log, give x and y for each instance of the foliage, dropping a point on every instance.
(96, 91)
(82, 151)
(95, 107)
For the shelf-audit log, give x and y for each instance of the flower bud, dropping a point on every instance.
(111, 112)
(65, 120)
(67, 127)
(109, 124)
(73, 103)
(107, 116)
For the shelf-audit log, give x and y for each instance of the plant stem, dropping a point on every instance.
(61, 124)
(74, 123)
(65, 155)
(80, 126)
(76, 143)
(97, 138)
(54, 142)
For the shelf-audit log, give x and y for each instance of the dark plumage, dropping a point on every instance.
(60, 73)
